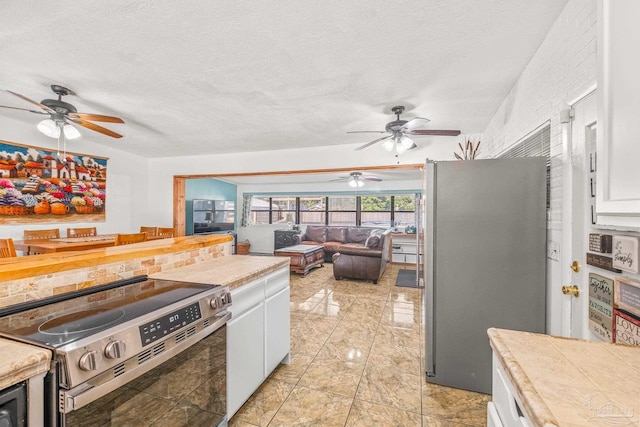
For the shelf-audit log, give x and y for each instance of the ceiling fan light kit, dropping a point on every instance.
(61, 114)
(399, 129)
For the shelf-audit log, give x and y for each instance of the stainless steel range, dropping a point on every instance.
(104, 338)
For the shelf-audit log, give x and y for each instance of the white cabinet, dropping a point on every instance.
(403, 248)
(277, 336)
(506, 409)
(618, 174)
(245, 349)
(258, 336)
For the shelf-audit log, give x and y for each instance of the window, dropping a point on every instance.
(312, 210)
(376, 211)
(404, 210)
(340, 210)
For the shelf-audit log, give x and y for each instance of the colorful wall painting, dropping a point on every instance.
(39, 186)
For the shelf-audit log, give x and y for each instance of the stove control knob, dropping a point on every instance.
(215, 302)
(226, 298)
(89, 361)
(115, 349)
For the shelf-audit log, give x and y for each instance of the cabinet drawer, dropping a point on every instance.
(507, 404)
(277, 281)
(246, 296)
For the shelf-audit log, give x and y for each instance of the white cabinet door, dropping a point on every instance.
(618, 195)
(245, 357)
(277, 335)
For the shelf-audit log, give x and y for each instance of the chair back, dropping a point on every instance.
(52, 233)
(7, 250)
(151, 231)
(129, 238)
(165, 232)
(81, 232)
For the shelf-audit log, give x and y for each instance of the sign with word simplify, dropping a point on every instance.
(625, 253)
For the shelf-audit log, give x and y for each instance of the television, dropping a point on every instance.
(210, 216)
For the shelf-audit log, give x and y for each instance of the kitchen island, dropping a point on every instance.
(258, 334)
(554, 381)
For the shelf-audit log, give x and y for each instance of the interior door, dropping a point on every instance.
(581, 163)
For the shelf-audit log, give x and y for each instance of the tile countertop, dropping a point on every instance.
(571, 382)
(232, 271)
(19, 362)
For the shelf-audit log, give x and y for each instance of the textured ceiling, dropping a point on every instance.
(221, 77)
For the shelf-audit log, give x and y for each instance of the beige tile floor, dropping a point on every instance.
(356, 354)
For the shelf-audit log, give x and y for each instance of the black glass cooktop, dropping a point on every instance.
(62, 322)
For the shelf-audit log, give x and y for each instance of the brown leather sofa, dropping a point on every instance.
(356, 252)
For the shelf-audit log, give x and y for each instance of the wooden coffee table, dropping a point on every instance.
(303, 257)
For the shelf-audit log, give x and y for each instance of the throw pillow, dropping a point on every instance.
(374, 239)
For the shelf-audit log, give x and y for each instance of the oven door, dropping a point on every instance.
(13, 406)
(188, 389)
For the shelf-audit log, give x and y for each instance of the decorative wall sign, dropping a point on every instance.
(38, 186)
(602, 261)
(626, 295)
(600, 243)
(625, 253)
(600, 306)
(626, 328)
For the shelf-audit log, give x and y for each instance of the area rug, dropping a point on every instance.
(407, 279)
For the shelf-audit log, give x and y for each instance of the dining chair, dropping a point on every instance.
(129, 238)
(82, 232)
(7, 250)
(50, 233)
(151, 231)
(165, 232)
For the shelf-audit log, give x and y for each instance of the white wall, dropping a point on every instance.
(563, 68)
(162, 170)
(127, 198)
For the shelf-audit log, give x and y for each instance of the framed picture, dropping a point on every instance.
(38, 185)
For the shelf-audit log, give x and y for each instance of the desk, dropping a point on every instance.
(69, 243)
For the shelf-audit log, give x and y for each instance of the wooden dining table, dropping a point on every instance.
(66, 244)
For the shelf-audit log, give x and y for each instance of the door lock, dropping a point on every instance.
(571, 290)
(575, 266)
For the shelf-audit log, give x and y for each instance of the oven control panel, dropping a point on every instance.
(169, 323)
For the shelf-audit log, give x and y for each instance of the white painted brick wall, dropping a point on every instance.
(563, 67)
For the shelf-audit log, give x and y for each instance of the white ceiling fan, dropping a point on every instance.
(398, 130)
(357, 179)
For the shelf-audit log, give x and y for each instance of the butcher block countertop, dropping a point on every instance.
(232, 271)
(571, 382)
(20, 362)
(36, 265)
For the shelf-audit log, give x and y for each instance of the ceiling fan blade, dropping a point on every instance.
(437, 132)
(44, 107)
(96, 117)
(372, 178)
(412, 147)
(367, 131)
(95, 127)
(24, 109)
(373, 142)
(344, 178)
(414, 124)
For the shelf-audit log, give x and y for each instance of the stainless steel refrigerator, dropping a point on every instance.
(485, 262)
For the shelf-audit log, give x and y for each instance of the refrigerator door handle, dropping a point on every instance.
(429, 273)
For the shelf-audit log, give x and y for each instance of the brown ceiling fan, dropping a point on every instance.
(61, 113)
(398, 130)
